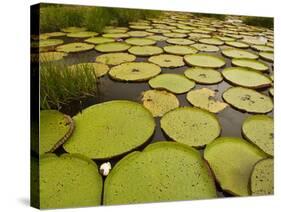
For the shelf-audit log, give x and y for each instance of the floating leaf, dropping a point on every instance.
(250, 63)
(180, 50)
(84, 34)
(74, 47)
(99, 40)
(203, 75)
(73, 29)
(211, 41)
(115, 58)
(112, 47)
(116, 35)
(237, 44)
(145, 50)
(100, 69)
(51, 56)
(180, 41)
(269, 56)
(205, 47)
(140, 41)
(167, 60)
(239, 53)
(204, 60)
(262, 48)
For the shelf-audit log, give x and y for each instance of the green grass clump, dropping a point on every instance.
(60, 85)
(259, 21)
(216, 16)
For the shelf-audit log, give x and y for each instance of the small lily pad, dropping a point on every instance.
(74, 47)
(109, 129)
(134, 71)
(269, 56)
(145, 50)
(232, 160)
(51, 56)
(205, 47)
(140, 41)
(167, 60)
(246, 78)
(250, 63)
(237, 44)
(100, 69)
(239, 53)
(159, 102)
(85, 34)
(179, 41)
(157, 37)
(175, 35)
(49, 43)
(115, 58)
(140, 27)
(116, 35)
(99, 40)
(259, 130)
(204, 98)
(203, 75)
(262, 178)
(174, 83)
(249, 100)
(204, 60)
(262, 48)
(51, 34)
(115, 30)
(112, 47)
(191, 126)
(180, 50)
(139, 33)
(74, 29)
(211, 41)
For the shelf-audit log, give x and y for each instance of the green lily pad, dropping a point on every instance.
(159, 102)
(250, 63)
(167, 60)
(157, 37)
(180, 50)
(164, 171)
(140, 41)
(204, 60)
(51, 56)
(246, 78)
(211, 41)
(74, 47)
(49, 42)
(115, 58)
(134, 71)
(237, 44)
(271, 91)
(203, 75)
(175, 35)
(269, 56)
(239, 54)
(100, 69)
(99, 40)
(204, 98)
(254, 40)
(74, 29)
(158, 31)
(191, 126)
(262, 178)
(110, 129)
(145, 50)
(232, 160)
(69, 181)
(174, 83)
(116, 35)
(179, 41)
(262, 48)
(112, 47)
(139, 33)
(140, 27)
(249, 100)
(259, 130)
(115, 30)
(197, 36)
(205, 47)
(225, 38)
(51, 34)
(85, 34)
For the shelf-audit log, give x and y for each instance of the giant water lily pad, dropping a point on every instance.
(203, 75)
(204, 60)
(110, 129)
(145, 50)
(211, 41)
(51, 34)
(175, 35)
(167, 60)
(262, 177)
(134, 71)
(99, 40)
(100, 69)
(267, 56)
(75, 47)
(139, 33)
(262, 48)
(112, 47)
(250, 63)
(239, 53)
(111, 30)
(116, 35)
(49, 42)
(164, 171)
(84, 34)
(204, 98)
(191, 126)
(69, 181)
(157, 37)
(259, 130)
(179, 41)
(232, 160)
(255, 40)
(159, 102)
(246, 78)
(180, 50)
(237, 44)
(174, 83)
(74, 29)
(140, 41)
(115, 58)
(249, 100)
(51, 56)
(205, 47)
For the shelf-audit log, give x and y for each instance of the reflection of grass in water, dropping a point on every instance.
(60, 85)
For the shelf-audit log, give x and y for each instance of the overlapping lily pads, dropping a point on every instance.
(250, 63)
(167, 60)
(112, 47)
(115, 58)
(145, 50)
(180, 50)
(262, 48)
(203, 75)
(204, 60)
(239, 53)
(140, 41)
(110, 129)
(205, 47)
(75, 47)
(164, 171)
(232, 160)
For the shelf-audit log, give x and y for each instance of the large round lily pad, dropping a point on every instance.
(99, 40)
(159, 102)
(205, 47)
(115, 58)
(262, 48)
(239, 53)
(205, 98)
(250, 63)
(180, 50)
(140, 41)
(112, 47)
(211, 41)
(191, 126)
(232, 160)
(100, 69)
(55, 129)
(49, 43)
(134, 71)
(249, 100)
(167, 60)
(174, 83)
(262, 178)
(157, 37)
(269, 56)
(259, 130)
(254, 40)
(175, 35)
(145, 50)
(69, 181)
(203, 75)
(246, 78)
(74, 29)
(139, 33)
(51, 56)
(179, 41)
(204, 60)
(164, 171)
(116, 35)
(110, 129)
(75, 47)
(237, 44)
(84, 34)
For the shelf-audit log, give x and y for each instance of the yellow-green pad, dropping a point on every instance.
(157, 37)
(175, 35)
(269, 56)
(262, 48)
(180, 50)
(254, 41)
(203, 75)
(204, 60)
(205, 47)
(85, 34)
(100, 69)
(164, 171)
(239, 53)
(211, 41)
(237, 44)
(116, 35)
(49, 42)
(75, 47)
(140, 41)
(250, 63)
(115, 58)
(179, 41)
(69, 181)
(167, 60)
(112, 47)
(74, 29)
(51, 56)
(232, 161)
(99, 40)
(139, 33)
(145, 50)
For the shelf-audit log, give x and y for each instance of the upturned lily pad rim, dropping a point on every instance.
(235, 60)
(206, 55)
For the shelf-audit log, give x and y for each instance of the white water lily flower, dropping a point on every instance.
(105, 168)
